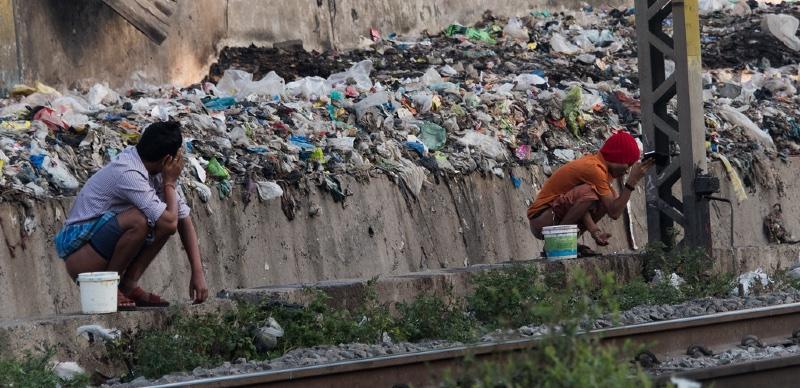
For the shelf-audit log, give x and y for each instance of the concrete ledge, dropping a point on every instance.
(348, 293)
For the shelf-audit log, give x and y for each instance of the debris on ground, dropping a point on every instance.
(542, 89)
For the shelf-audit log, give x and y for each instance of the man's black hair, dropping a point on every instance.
(159, 140)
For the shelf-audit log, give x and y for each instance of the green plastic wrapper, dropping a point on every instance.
(572, 110)
(217, 170)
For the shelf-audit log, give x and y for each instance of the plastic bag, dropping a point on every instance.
(233, 81)
(309, 87)
(783, 27)
(710, 6)
(515, 31)
(343, 144)
(203, 191)
(571, 107)
(102, 94)
(221, 103)
(412, 175)
(528, 81)
(560, 44)
(59, 175)
(268, 190)
(432, 135)
(431, 76)
(752, 130)
(749, 279)
(217, 170)
(488, 145)
(358, 72)
(271, 85)
(423, 102)
(376, 99)
(239, 137)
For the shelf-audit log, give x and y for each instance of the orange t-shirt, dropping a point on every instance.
(590, 169)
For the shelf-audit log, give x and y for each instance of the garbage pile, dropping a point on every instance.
(538, 90)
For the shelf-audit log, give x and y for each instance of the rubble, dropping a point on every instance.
(270, 120)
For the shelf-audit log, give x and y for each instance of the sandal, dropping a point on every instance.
(146, 299)
(124, 303)
(584, 251)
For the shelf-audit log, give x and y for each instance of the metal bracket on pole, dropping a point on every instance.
(667, 134)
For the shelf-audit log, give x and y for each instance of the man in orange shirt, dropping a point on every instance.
(580, 191)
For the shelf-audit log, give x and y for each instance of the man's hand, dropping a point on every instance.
(638, 170)
(172, 167)
(600, 237)
(198, 290)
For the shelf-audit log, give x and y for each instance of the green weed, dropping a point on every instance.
(35, 371)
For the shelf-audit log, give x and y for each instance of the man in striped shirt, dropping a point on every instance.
(126, 212)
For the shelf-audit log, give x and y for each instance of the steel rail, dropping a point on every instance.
(420, 369)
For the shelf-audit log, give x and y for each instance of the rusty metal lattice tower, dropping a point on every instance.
(663, 131)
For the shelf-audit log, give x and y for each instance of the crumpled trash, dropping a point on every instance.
(674, 279)
(268, 190)
(572, 110)
(95, 332)
(68, 370)
(784, 28)
(266, 336)
(515, 31)
(309, 88)
(470, 32)
(560, 44)
(359, 74)
(752, 130)
(748, 280)
(432, 135)
(488, 145)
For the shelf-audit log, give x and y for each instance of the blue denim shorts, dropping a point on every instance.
(104, 241)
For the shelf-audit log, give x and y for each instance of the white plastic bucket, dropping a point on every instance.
(561, 242)
(98, 292)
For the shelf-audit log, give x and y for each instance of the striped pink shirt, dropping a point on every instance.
(120, 185)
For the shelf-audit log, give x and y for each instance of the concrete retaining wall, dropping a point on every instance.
(455, 223)
(61, 42)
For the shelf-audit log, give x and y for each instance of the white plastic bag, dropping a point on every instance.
(308, 87)
(423, 101)
(271, 85)
(376, 99)
(233, 80)
(528, 81)
(343, 144)
(515, 31)
(488, 145)
(748, 279)
(358, 72)
(59, 174)
(239, 137)
(431, 77)
(560, 44)
(101, 94)
(268, 190)
(783, 27)
(752, 130)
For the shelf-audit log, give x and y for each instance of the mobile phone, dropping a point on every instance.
(660, 158)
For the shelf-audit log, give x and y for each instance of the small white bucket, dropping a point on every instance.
(561, 242)
(98, 292)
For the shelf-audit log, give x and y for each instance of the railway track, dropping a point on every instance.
(770, 325)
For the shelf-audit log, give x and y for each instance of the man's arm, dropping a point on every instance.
(197, 286)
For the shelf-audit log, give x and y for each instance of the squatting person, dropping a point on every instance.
(126, 212)
(580, 192)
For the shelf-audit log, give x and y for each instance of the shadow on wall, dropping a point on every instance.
(80, 26)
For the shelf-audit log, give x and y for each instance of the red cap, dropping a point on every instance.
(621, 148)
